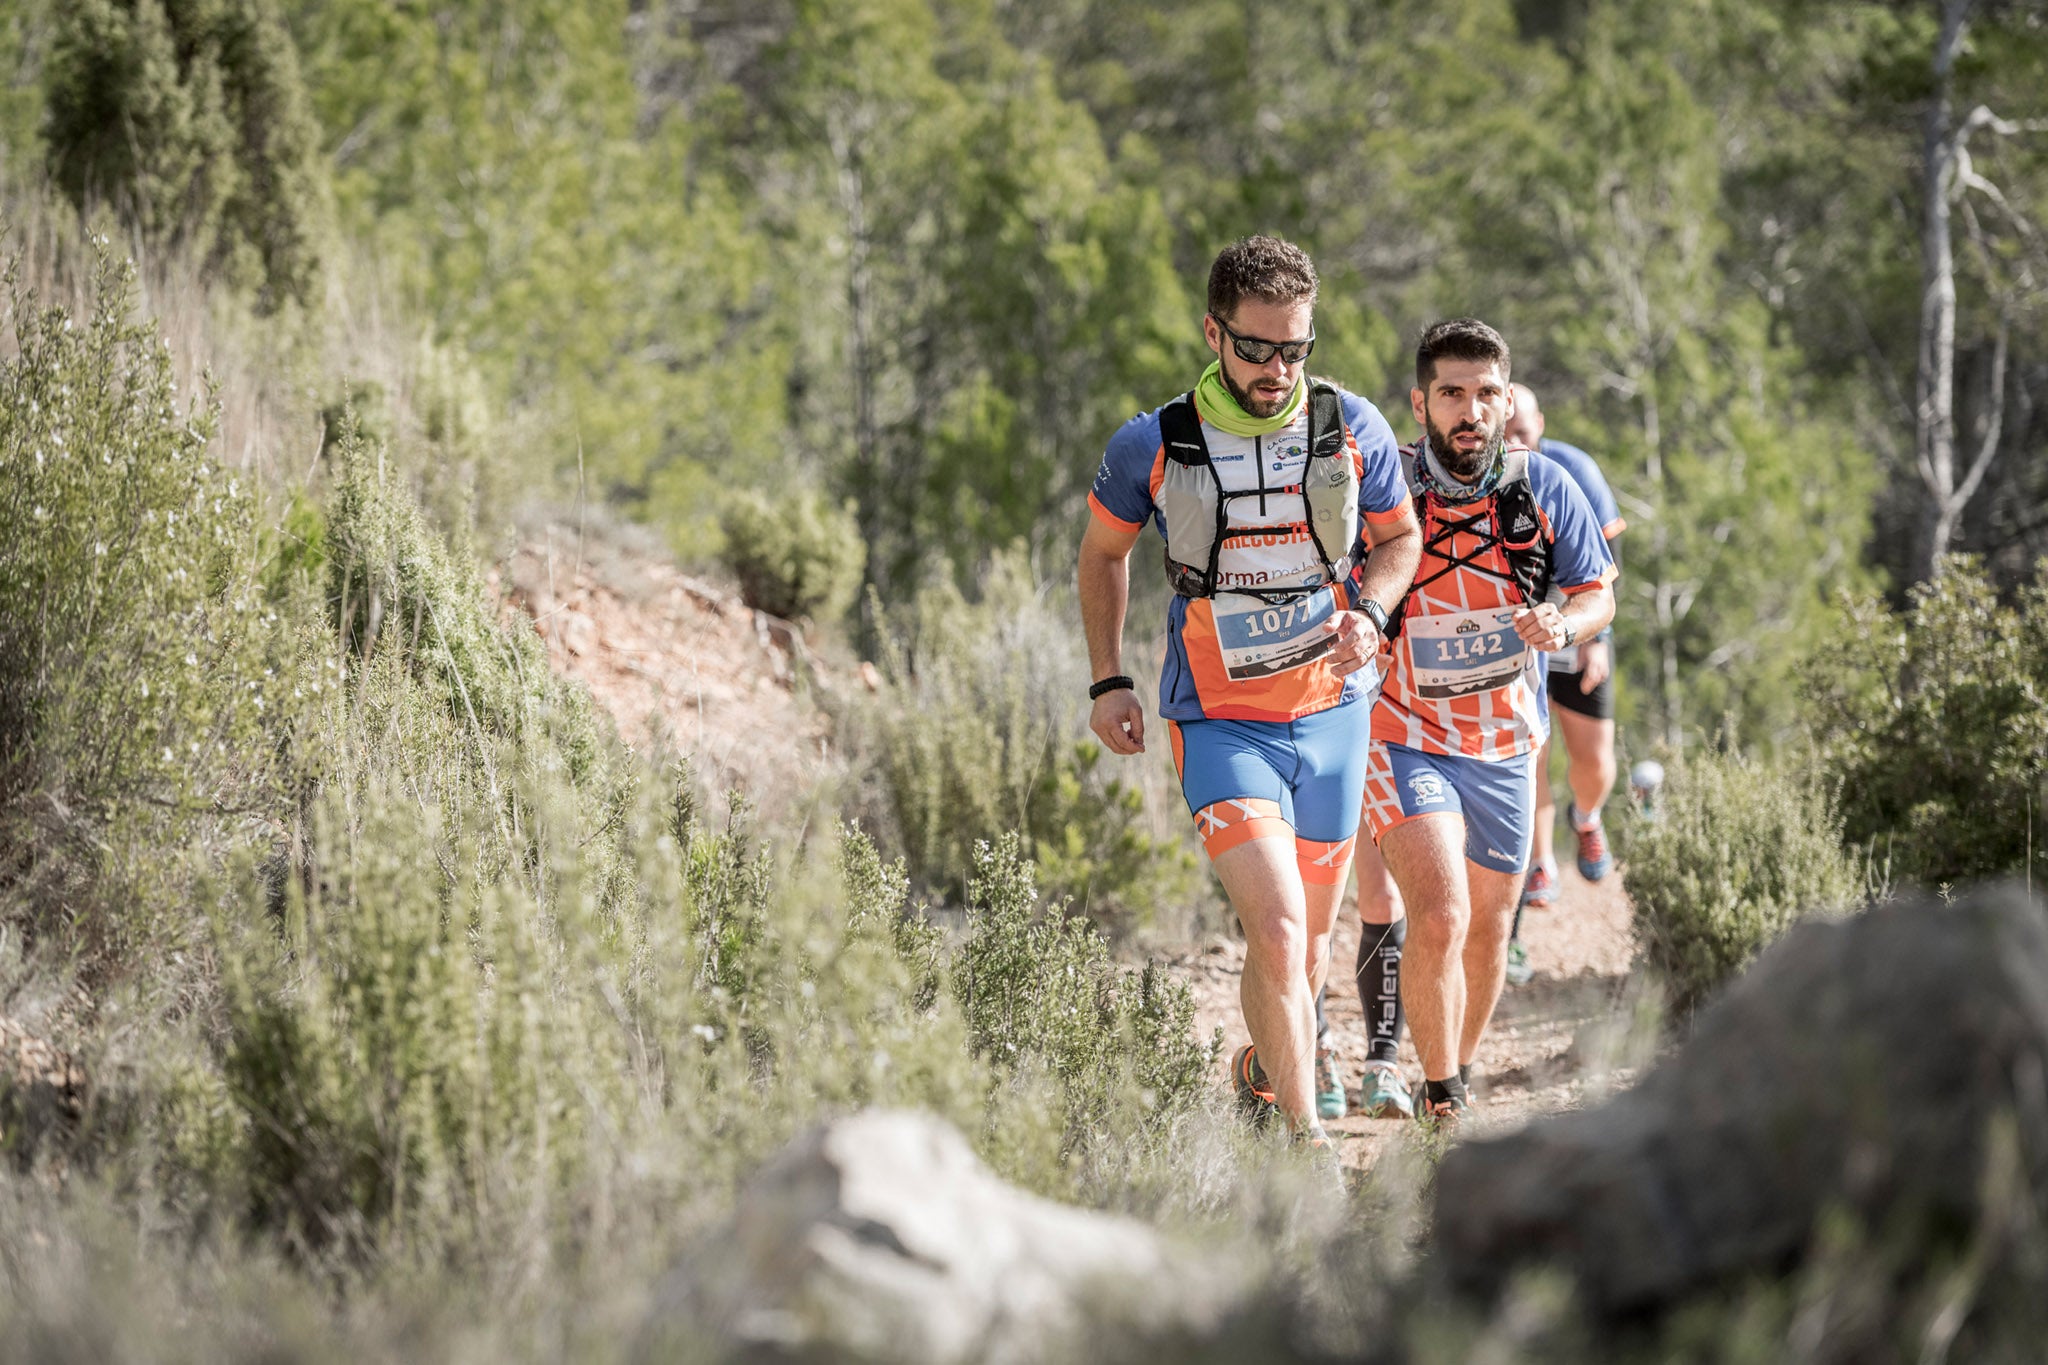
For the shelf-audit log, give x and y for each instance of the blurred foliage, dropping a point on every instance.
(400, 966)
(1934, 722)
(978, 731)
(1740, 848)
(794, 553)
(191, 119)
(133, 677)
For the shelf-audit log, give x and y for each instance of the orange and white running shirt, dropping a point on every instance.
(1461, 680)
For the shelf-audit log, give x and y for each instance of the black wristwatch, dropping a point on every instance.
(1571, 633)
(1097, 691)
(1376, 614)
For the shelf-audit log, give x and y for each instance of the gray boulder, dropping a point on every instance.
(1859, 1064)
(882, 1237)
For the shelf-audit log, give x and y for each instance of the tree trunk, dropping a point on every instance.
(1934, 425)
(844, 134)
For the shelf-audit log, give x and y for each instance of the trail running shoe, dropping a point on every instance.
(1520, 973)
(1595, 861)
(1331, 1101)
(1382, 1094)
(1449, 1109)
(1255, 1098)
(1540, 890)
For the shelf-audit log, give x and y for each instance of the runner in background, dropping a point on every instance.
(1581, 693)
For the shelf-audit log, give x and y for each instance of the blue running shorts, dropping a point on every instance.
(1497, 798)
(1253, 779)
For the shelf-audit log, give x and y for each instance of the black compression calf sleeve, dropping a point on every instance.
(1515, 932)
(1379, 987)
(1322, 1019)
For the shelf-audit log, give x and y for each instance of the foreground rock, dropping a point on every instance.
(1859, 1064)
(883, 1237)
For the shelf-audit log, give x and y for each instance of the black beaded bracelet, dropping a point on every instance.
(1108, 685)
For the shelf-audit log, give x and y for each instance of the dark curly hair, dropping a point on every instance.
(1458, 339)
(1262, 268)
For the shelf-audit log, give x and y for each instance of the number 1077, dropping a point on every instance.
(1274, 620)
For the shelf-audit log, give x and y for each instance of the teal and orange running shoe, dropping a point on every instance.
(1382, 1094)
(1595, 861)
(1331, 1101)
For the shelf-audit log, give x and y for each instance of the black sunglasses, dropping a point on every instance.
(1255, 351)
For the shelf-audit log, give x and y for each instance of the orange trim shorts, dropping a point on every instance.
(1267, 779)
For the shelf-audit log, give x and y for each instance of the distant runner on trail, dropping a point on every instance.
(1581, 693)
(1449, 781)
(1289, 533)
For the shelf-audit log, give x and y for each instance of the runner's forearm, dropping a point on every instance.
(1104, 582)
(1589, 612)
(1391, 565)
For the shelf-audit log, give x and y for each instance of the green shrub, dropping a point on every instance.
(133, 681)
(192, 120)
(795, 553)
(1934, 724)
(1740, 849)
(980, 732)
(1040, 988)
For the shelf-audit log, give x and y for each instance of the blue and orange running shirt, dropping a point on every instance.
(1585, 472)
(1462, 681)
(1233, 656)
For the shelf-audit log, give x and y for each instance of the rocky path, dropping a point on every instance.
(1553, 1042)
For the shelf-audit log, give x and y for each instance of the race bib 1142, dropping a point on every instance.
(1461, 653)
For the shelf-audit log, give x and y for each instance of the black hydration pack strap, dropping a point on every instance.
(1511, 524)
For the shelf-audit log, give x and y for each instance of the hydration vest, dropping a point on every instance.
(1195, 508)
(1511, 523)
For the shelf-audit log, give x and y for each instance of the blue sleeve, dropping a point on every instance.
(1585, 472)
(1381, 489)
(1578, 553)
(1122, 494)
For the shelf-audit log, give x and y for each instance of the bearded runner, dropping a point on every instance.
(1449, 781)
(1289, 533)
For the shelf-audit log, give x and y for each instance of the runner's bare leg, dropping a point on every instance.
(1321, 901)
(1379, 900)
(1543, 836)
(1264, 885)
(1486, 950)
(1427, 857)
(1589, 743)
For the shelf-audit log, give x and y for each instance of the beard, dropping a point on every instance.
(1467, 466)
(1253, 406)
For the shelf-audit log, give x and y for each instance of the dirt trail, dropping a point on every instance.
(1552, 1042)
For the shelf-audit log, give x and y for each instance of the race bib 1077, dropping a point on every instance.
(1261, 638)
(1459, 653)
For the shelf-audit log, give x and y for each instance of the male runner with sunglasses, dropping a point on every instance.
(1450, 782)
(1288, 535)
